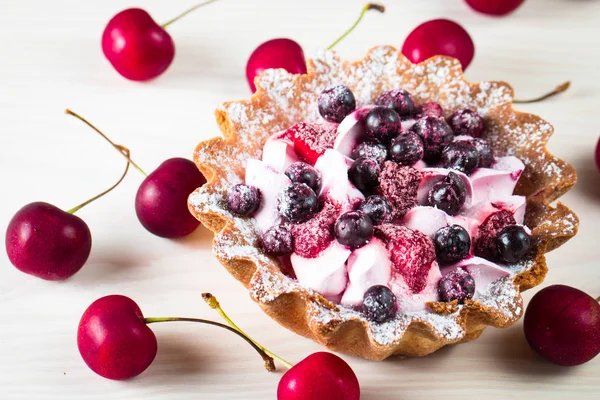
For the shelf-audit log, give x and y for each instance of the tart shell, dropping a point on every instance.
(283, 99)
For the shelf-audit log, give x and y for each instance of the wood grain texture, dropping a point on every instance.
(51, 59)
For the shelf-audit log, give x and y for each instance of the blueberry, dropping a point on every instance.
(436, 135)
(406, 149)
(335, 103)
(300, 172)
(278, 241)
(382, 124)
(378, 209)
(354, 229)
(374, 151)
(448, 195)
(379, 304)
(399, 100)
(488, 232)
(466, 122)
(364, 174)
(297, 202)
(486, 154)
(461, 156)
(456, 285)
(452, 244)
(513, 243)
(243, 199)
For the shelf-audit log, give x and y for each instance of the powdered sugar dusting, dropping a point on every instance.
(292, 98)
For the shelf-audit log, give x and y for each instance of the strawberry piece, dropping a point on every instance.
(311, 139)
(313, 236)
(398, 185)
(412, 253)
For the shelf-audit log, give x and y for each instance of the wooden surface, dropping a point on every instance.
(51, 59)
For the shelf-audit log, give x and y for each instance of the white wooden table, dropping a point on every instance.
(51, 59)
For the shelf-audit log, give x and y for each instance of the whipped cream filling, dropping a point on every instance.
(333, 167)
(270, 182)
(343, 275)
(326, 274)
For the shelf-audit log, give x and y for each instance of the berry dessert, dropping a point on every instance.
(381, 207)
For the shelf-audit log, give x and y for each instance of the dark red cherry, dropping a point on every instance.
(136, 46)
(597, 155)
(44, 241)
(161, 200)
(113, 339)
(495, 7)
(439, 37)
(320, 376)
(562, 324)
(275, 53)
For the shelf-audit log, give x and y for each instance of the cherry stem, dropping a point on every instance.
(369, 6)
(269, 363)
(119, 148)
(183, 14)
(559, 89)
(85, 203)
(214, 303)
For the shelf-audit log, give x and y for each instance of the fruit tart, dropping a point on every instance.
(380, 207)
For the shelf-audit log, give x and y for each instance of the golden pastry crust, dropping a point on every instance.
(283, 99)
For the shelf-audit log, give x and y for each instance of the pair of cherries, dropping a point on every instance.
(115, 341)
(44, 241)
(140, 49)
(435, 37)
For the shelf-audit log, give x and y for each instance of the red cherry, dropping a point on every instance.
(114, 340)
(597, 158)
(161, 200)
(137, 47)
(44, 241)
(439, 37)
(562, 324)
(275, 53)
(320, 376)
(494, 7)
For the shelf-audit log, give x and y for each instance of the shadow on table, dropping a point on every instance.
(507, 350)
(179, 360)
(588, 178)
(201, 238)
